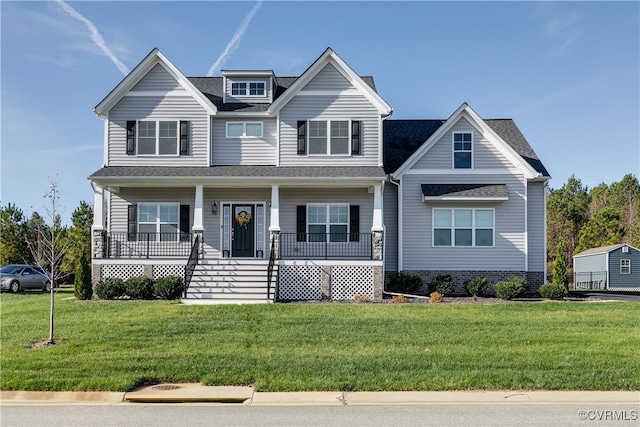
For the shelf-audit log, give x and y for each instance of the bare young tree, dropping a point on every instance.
(50, 244)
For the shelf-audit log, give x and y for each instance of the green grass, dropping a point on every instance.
(117, 345)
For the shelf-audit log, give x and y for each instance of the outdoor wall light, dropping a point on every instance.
(214, 207)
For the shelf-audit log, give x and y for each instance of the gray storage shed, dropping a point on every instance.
(614, 267)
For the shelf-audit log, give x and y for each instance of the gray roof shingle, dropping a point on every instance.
(489, 191)
(403, 137)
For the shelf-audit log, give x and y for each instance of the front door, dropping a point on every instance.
(243, 221)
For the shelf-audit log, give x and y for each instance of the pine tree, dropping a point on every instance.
(560, 267)
(82, 282)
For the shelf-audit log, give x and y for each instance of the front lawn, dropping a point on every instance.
(117, 345)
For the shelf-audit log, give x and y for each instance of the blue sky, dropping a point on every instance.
(568, 73)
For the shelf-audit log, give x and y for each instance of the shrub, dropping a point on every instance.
(169, 287)
(362, 298)
(405, 282)
(110, 288)
(508, 289)
(435, 297)
(476, 286)
(82, 282)
(140, 287)
(443, 284)
(398, 299)
(553, 291)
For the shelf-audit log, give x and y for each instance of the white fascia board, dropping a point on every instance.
(329, 56)
(337, 182)
(154, 57)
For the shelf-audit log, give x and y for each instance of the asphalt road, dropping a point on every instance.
(538, 415)
(606, 296)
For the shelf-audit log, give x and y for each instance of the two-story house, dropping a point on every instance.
(253, 186)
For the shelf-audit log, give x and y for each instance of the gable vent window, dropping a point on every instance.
(462, 150)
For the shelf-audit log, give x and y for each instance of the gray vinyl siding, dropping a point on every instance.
(243, 151)
(119, 202)
(390, 212)
(331, 106)
(290, 198)
(536, 218)
(624, 280)
(268, 83)
(158, 79)
(485, 155)
(158, 108)
(590, 263)
(508, 253)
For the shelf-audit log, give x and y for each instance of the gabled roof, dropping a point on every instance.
(462, 192)
(604, 249)
(406, 141)
(330, 57)
(152, 59)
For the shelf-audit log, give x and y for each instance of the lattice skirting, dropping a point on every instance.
(300, 282)
(348, 281)
(315, 282)
(123, 271)
(167, 270)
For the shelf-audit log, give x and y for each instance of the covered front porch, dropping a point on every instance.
(285, 241)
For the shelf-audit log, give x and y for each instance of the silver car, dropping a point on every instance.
(18, 277)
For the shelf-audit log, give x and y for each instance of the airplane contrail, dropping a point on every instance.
(235, 40)
(95, 35)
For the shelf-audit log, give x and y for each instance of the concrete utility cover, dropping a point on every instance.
(189, 393)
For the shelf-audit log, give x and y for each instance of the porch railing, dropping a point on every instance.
(191, 264)
(590, 280)
(270, 268)
(146, 245)
(325, 246)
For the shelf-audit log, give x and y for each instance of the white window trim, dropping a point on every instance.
(328, 153)
(328, 222)
(157, 153)
(248, 88)
(244, 129)
(627, 266)
(158, 223)
(473, 228)
(454, 151)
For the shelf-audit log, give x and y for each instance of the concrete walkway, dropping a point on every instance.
(190, 393)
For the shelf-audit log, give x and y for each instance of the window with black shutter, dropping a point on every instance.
(184, 223)
(355, 137)
(301, 223)
(354, 223)
(184, 138)
(302, 137)
(131, 137)
(132, 222)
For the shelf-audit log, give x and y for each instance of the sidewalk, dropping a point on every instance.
(192, 393)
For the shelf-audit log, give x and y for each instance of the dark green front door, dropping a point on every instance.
(243, 231)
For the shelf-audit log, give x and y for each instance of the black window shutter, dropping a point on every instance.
(355, 137)
(302, 137)
(131, 137)
(301, 223)
(354, 223)
(132, 222)
(184, 223)
(184, 138)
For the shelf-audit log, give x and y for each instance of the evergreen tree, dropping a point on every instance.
(79, 235)
(560, 267)
(82, 282)
(13, 244)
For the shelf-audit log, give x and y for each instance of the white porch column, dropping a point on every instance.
(197, 210)
(377, 224)
(275, 209)
(98, 208)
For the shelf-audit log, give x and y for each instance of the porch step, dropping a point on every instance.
(230, 282)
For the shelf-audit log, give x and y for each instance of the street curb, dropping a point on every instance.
(61, 397)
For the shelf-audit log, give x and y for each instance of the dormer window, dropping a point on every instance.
(462, 150)
(248, 89)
